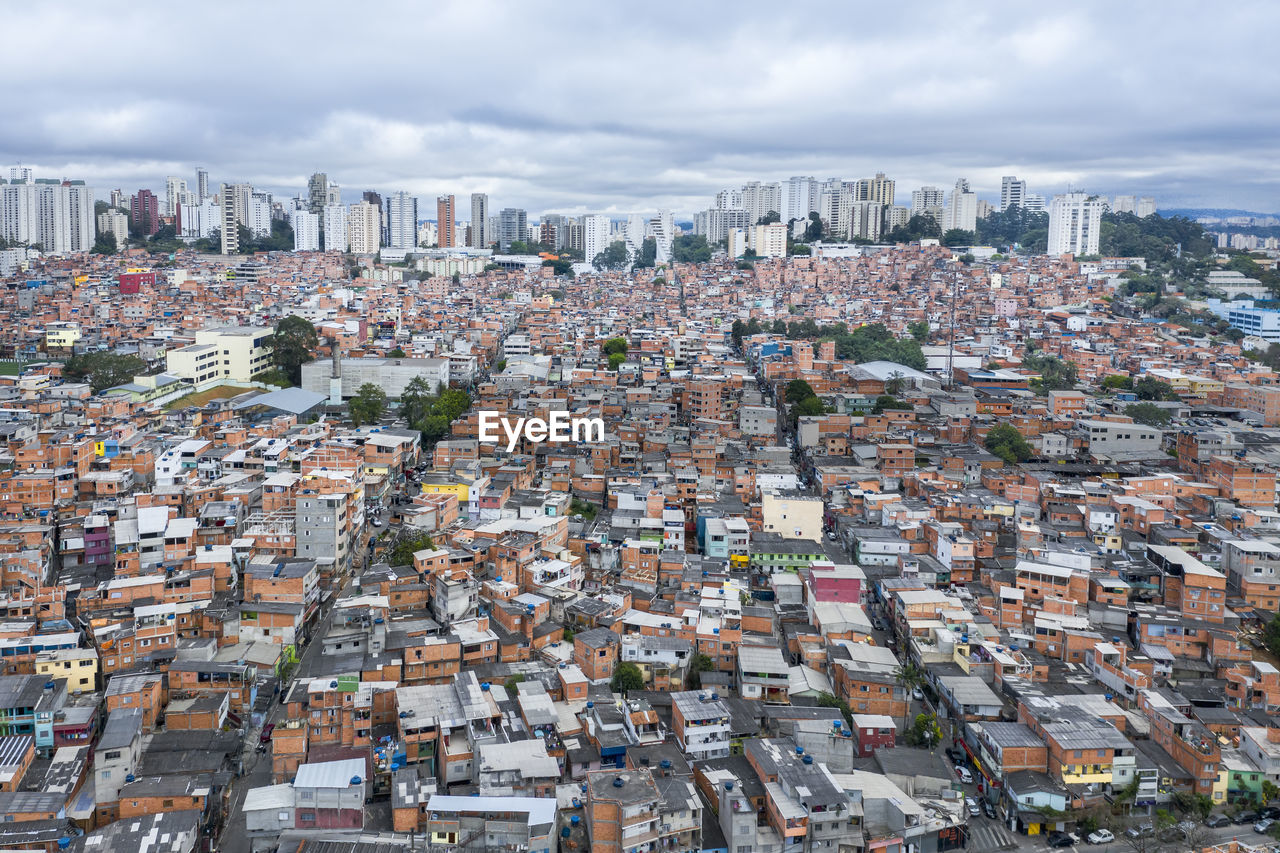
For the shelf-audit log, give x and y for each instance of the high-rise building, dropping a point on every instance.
(1075, 221)
(663, 229)
(715, 223)
(144, 212)
(446, 219)
(761, 199)
(859, 219)
(335, 228)
(199, 220)
(1034, 203)
(175, 194)
(1144, 207)
(376, 200)
(770, 240)
(258, 218)
(56, 215)
(202, 184)
(595, 235)
(317, 192)
(364, 228)
(962, 208)
(306, 231)
(799, 198)
(481, 236)
(878, 189)
(729, 200)
(234, 204)
(1012, 192)
(513, 225)
(116, 224)
(402, 221)
(21, 175)
(926, 198)
(896, 217)
(1123, 204)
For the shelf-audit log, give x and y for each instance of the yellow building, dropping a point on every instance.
(230, 354)
(61, 335)
(78, 666)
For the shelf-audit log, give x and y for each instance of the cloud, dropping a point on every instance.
(597, 106)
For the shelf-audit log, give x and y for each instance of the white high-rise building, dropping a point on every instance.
(1122, 204)
(799, 198)
(1145, 206)
(962, 208)
(1012, 192)
(481, 236)
(1035, 203)
(335, 228)
(21, 175)
(729, 200)
(259, 218)
(116, 224)
(199, 220)
(663, 228)
(761, 199)
(202, 185)
(59, 217)
(595, 235)
(306, 231)
(402, 221)
(175, 194)
(364, 228)
(715, 223)
(633, 236)
(18, 212)
(737, 242)
(770, 240)
(1075, 221)
(926, 198)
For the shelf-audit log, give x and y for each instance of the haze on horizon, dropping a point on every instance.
(597, 107)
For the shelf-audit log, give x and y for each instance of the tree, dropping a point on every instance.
(396, 353)
(1149, 414)
(699, 664)
(1007, 443)
(770, 218)
(626, 677)
(736, 333)
(797, 390)
(909, 677)
(292, 345)
(1150, 388)
(560, 266)
(690, 249)
(368, 404)
(919, 330)
(1055, 374)
(1269, 791)
(807, 407)
(102, 370)
(1271, 635)
(924, 731)
(614, 345)
(814, 230)
(406, 545)
(800, 249)
(957, 237)
(648, 253)
(614, 257)
(511, 682)
(616, 359)
(105, 244)
(827, 700)
(918, 227)
(1116, 382)
(888, 401)
(895, 383)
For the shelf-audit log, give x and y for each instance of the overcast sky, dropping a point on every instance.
(617, 107)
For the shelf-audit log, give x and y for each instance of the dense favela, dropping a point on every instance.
(373, 502)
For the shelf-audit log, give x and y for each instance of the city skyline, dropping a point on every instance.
(925, 100)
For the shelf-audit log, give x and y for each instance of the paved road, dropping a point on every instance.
(257, 766)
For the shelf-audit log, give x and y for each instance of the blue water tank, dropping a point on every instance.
(618, 782)
(728, 786)
(564, 833)
(356, 780)
(484, 686)
(808, 759)
(575, 820)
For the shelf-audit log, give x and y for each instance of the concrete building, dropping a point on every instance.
(926, 199)
(446, 219)
(306, 231)
(392, 374)
(770, 240)
(335, 228)
(232, 353)
(364, 228)
(1013, 192)
(595, 235)
(116, 224)
(480, 235)
(513, 224)
(962, 208)
(1075, 222)
(402, 221)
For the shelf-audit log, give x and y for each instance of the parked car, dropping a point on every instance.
(377, 523)
(1100, 836)
(1142, 830)
(1062, 839)
(956, 755)
(964, 774)
(1246, 817)
(974, 808)
(1272, 812)
(989, 810)
(917, 694)
(1217, 820)
(1263, 825)
(265, 737)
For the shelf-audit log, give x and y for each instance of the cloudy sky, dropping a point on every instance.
(615, 107)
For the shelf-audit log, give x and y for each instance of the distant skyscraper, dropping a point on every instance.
(402, 221)
(799, 198)
(636, 228)
(376, 200)
(175, 193)
(513, 224)
(1074, 224)
(317, 192)
(962, 208)
(663, 228)
(446, 216)
(144, 212)
(1012, 192)
(116, 224)
(761, 199)
(1123, 204)
(1145, 206)
(202, 184)
(306, 231)
(878, 189)
(335, 228)
(926, 198)
(481, 237)
(595, 235)
(21, 175)
(1034, 203)
(58, 216)
(364, 228)
(234, 204)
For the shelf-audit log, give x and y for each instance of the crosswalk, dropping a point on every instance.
(986, 835)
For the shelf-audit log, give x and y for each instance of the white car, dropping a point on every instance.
(1101, 836)
(377, 523)
(917, 694)
(964, 774)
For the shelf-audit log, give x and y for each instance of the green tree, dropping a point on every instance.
(827, 700)
(1006, 442)
(770, 218)
(292, 345)
(396, 353)
(1055, 374)
(797, 390)
(802, 249)
(406, 545)
(105, 244)
(1269, 791)
(924, 731)
(1149, 414)
(919, 330)
(736, 333)
(700, 664)
(1116, 382)
(560, 267)
(648, 253)
(614, 257)
(888, 401)
(626, 677)
(918, 227)
(957, 237)
(1271, 635)
(910, 678)
(616, 359)
(511, 682)
(690, 249)
(1150, 388)
(614, 345)
(368, 404)
(814, 230)
(416, 400)
(807, 407)
(102, 370)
